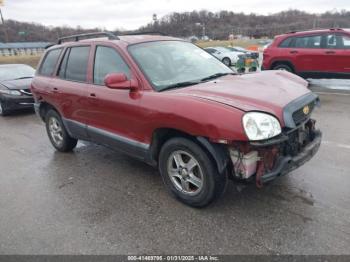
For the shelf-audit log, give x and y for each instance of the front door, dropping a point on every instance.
(113, 114)
(308, 54)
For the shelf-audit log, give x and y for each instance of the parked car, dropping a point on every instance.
(15, 91)
(172, 105)
(314, 53)
(248, 53)
(225, 55)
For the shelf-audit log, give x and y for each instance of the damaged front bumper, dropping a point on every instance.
(269, 159)
(286, 164)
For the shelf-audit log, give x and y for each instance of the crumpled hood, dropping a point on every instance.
(17, 84)
(268, 91)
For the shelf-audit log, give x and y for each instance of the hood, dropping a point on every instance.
(268, 91)
(17, 84)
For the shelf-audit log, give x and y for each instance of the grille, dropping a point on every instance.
(299, 116)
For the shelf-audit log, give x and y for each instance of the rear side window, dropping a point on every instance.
(286, 43)
(308, 41)
(48, 66)
(75, 64)
(108, 60)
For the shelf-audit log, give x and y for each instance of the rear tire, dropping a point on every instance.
(283, 67)
(57, 132)
(189, 173)
(227, 61)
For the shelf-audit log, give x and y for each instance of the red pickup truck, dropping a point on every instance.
(169, 103)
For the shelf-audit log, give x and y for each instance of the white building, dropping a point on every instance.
(22, 48)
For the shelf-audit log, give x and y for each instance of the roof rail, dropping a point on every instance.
(146, 33)
(76, 38)
(49, 45)
(314, 29)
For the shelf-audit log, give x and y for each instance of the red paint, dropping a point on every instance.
(322, 59)
(212, 109)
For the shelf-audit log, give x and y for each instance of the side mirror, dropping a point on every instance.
(119, 81)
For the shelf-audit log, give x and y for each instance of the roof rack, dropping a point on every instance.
(76, 38)
(314, 29)
(146, 33)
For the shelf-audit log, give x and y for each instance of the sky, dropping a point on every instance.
(131, 14)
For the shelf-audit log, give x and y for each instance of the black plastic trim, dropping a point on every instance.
(218, 152)
(294, 106)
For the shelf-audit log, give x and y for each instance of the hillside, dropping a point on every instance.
(217, 25)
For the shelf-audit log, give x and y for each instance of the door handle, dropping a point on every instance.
(294, 52)
(93, 95)
(330, 52)
(55, 90)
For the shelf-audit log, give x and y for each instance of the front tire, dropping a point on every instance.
(57, 133)
(283, 67)
(3, 111)
(189, 173)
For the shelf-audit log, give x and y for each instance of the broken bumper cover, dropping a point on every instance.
(287, 164)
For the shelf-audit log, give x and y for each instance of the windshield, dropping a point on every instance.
(12, 72)
(176, 64)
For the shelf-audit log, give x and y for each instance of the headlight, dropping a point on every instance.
(10, 92)
(260, 126)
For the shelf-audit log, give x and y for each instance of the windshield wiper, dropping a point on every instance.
(178, 85)
(216, 76)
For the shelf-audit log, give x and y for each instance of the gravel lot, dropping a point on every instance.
(96, 201)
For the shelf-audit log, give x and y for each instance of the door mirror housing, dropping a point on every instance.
(120, 81)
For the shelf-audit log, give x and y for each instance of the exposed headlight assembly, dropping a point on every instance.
(260, 126)
(10, 92)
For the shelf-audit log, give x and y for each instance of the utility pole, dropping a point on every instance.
(3, 22)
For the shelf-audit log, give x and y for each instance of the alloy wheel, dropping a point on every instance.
(185, 173)
(56, 131)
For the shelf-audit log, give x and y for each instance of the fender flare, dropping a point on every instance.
(219, 152)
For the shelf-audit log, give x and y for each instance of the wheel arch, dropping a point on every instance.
(43, 108)
(283, 62)
(217, 152)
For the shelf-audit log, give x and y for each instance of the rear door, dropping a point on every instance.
(71, 88)
(41, 85)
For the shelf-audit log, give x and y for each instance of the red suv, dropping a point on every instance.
(316, 53)
(169, 103)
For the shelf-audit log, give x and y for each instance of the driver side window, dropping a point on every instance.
(107, 60)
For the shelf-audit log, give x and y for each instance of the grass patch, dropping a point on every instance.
(31, 60)
(242, 43)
